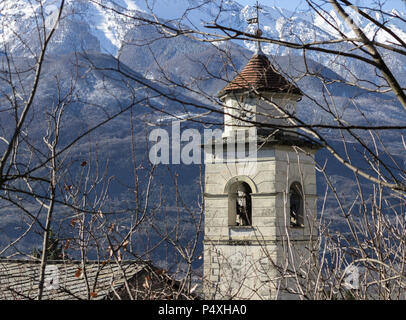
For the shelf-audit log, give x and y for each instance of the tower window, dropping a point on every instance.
(240, 210)
(296, 205)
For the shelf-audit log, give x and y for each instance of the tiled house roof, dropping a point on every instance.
(259, 74)
(19, 280)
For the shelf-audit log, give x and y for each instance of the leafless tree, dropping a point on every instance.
(59, 183)
(372, 235)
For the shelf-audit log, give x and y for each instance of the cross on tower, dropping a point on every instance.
(257, 7)
(258, 32)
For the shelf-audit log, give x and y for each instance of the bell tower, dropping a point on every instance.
(259, 211)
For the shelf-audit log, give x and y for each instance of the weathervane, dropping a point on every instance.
(258, 32)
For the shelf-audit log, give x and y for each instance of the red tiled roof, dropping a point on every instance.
(259, 74)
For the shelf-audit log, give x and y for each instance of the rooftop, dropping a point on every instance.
(70, 280)
(260, 75)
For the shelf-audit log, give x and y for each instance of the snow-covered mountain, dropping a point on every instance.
(95, 27)
(90, 26)
(87, 25)
(106, 37)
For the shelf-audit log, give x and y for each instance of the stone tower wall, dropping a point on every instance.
(241, 262)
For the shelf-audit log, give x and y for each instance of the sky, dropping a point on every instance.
(300, 4)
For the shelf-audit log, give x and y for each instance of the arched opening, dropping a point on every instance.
(296, 205)
(239, 204)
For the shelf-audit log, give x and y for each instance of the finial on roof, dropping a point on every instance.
(258, 32)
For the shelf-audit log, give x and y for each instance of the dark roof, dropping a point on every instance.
(19, 279)
(260, 75)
